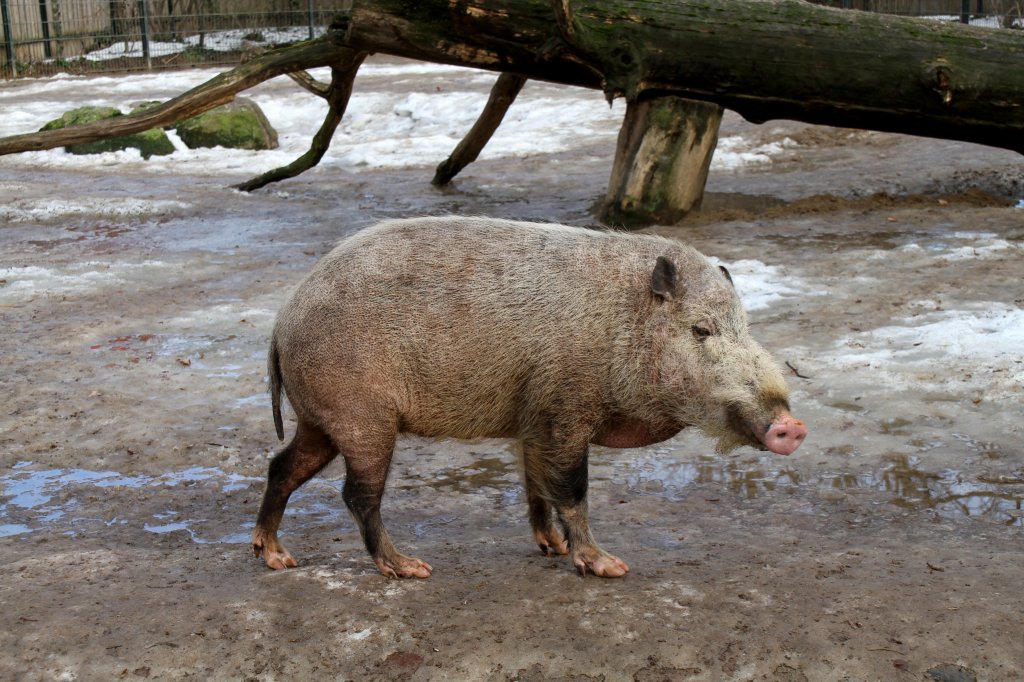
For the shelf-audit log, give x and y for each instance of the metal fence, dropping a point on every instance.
(42, 37)
(995, 13)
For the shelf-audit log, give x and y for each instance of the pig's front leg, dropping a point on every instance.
(548, 538)
(557, 475)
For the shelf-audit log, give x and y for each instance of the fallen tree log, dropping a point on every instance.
(765, 59)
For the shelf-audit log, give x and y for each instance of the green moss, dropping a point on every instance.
(664, 114)
(81, 116)
(153, 142)
(238, 125)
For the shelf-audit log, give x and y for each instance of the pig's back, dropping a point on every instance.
(460, 320)
(504, 258)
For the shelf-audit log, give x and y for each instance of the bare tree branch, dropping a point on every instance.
(213, 93)
(337, 93)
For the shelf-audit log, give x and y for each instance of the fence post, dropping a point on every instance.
(44, 24)
(144, 28)
(5, 15)
(965, 11)
(309, 5)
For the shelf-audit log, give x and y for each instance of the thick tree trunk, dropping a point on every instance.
(765, 59)
(662, 160)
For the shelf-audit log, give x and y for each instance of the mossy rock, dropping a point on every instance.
(146, 106)
(240, 124)
(153, 142)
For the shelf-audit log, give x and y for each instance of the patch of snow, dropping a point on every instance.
(957, 246)
(397, 128)
(225, 313)
(23, 283)
(220, 41)
(736, 152)
(989, 21)
(988, 249)
(760, 285)
(976, 346)
(22, 210)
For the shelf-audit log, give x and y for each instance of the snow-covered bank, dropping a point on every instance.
(417, 124)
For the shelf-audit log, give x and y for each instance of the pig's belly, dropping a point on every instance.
(629, 432)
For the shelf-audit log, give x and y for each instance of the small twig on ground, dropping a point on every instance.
(795, 371)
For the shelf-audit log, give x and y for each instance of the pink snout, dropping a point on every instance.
(784, 436)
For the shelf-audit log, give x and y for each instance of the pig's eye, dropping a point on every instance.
(701, 331)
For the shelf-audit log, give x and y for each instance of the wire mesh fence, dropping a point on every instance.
(43, 37)
(992, 13)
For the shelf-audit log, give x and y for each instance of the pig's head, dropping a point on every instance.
(710, 372)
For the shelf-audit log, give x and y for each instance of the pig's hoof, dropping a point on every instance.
(599, 563)
(551, 542)
(275, 556)
(279, 560)
(402, 566)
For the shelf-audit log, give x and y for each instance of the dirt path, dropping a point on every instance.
(136, 432)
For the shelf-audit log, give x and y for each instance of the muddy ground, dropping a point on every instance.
(136, 430)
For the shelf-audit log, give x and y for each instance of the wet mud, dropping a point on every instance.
(136, 432)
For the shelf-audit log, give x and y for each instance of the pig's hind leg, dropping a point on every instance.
(559, 478)
(367, 460)
(309, 452)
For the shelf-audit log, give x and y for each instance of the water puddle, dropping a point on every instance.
(496, 476)
(238, 538)
(949, 493)
(493, 472)
(664, 476)
(76, 501)
(9, 529)
(49, 499)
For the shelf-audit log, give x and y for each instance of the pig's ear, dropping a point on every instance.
(663, 279)
(726, 273)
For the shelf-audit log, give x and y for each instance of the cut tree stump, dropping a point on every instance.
(661, 162)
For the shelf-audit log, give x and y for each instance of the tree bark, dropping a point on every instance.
(661, 161)
(765, 59)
